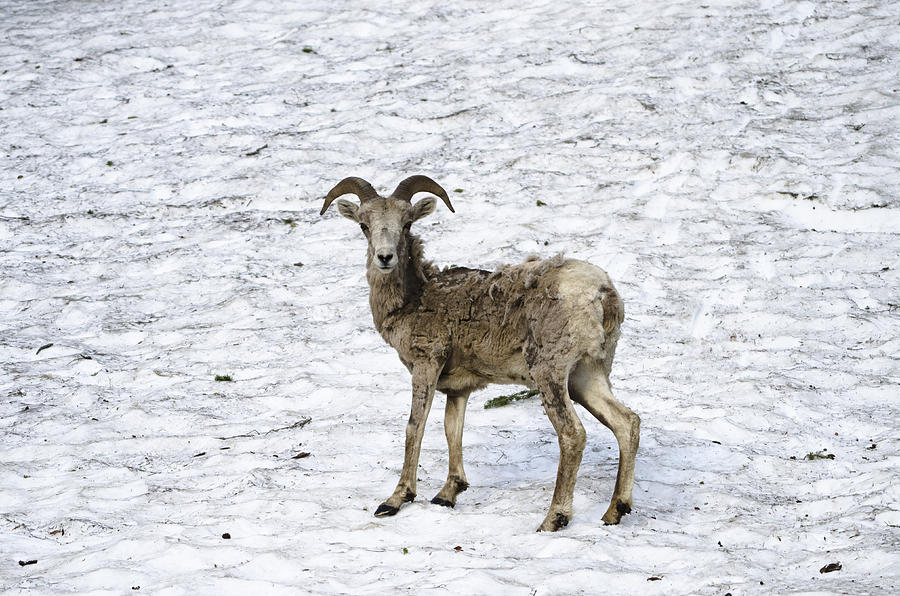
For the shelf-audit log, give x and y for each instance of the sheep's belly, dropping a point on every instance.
(473, 375)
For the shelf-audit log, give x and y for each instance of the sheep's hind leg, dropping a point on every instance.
(571, 435)
(589, 387)
(454, 416)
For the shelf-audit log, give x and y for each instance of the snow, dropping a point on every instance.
(733, 165)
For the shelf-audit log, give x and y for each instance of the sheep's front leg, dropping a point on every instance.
(454, 416)
(424, 380)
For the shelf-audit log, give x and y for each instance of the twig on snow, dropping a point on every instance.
(256, 151)
(253, 433)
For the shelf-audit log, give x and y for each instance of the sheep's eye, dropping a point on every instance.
(364, 228)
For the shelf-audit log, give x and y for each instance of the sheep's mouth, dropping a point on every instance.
(385, 270)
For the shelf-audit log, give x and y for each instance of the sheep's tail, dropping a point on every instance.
(613, 310)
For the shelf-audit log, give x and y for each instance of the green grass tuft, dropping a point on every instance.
(505, 400)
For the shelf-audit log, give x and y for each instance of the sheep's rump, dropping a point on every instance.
(564, 308)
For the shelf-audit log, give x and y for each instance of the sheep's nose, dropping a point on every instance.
(385, 258)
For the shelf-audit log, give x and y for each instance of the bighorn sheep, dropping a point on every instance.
(547, 324)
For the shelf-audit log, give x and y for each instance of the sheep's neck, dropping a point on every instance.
(389, 293)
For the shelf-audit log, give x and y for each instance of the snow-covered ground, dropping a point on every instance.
(734, 165)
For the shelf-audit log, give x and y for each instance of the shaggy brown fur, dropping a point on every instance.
(547, 324)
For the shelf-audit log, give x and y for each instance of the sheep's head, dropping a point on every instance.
(386, 221)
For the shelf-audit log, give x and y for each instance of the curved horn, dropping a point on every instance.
(351, 185)
(406, 189)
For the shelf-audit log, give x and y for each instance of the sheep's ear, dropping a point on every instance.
(348, 210)
(424, 207)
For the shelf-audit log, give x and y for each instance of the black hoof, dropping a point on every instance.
(386, 510)
(622, 509)
(561, 521)
(443, 502)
